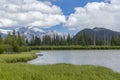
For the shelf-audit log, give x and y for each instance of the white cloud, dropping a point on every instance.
(96, 14)
(15, 13)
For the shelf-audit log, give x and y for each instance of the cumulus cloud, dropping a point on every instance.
(14, 13)
(96, 14)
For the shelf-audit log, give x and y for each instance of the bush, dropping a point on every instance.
(1, 50)
(21, 48)
(25, 48)
(7, 48)
(16, 48)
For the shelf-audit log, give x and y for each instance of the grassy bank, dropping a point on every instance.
(22, 71)
(55, 72)
(74, 47)
(18, 57)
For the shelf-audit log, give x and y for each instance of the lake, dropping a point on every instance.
(107, 58)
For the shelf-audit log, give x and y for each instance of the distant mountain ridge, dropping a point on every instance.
(100, 33)
(4, 32)
(29, 32)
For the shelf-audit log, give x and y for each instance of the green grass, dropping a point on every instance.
(55, 72)
(73, 47)
(11, 70)
(18, 57)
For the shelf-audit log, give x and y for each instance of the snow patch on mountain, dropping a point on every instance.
(4, 32)
(29, 32)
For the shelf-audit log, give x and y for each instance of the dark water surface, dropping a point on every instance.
(107, 58)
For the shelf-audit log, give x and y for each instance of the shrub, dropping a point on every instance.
(25, 48)
(7, 48)
(16, 48)
(1, 50)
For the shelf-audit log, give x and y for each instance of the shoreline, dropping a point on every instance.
(25, 71)
(18, 57)
(73, 47)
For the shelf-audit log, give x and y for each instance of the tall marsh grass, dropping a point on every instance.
(55, 72)
(73, 47)
(17, 57)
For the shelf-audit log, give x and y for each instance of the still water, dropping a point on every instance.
(107, 58)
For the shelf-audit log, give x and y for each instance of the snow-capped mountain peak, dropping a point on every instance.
(38, 30)
(54, 32)
(5, 31)
(29, 32)
(28, 29)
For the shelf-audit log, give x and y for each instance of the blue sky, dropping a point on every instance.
(61, 15)
(67, 7)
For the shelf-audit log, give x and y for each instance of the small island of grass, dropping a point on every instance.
(17, 57)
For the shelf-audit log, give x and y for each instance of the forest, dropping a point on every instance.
(15, 42)
(83, 39)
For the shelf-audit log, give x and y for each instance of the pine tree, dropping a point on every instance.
(21, 40)
(37, 41)
(118, 40)
(32, 41)
(1, 40)
(69, 40)
(113, 42)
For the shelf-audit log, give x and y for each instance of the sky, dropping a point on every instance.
(61, 15)
(67, 7)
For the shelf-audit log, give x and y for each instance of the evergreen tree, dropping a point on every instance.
(69, 40)
(37, 41)
(46, 40)
(32, 41)
(21, 40)
(113, 42)
(118, 40)
(1, 40)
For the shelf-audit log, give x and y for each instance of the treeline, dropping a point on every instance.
(13, 42)
(84, 40)
(48, 40)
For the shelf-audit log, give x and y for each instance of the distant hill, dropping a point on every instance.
(99, 33)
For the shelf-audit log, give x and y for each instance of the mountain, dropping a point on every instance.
(3, 32)
(100, 33)
(29, 32)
